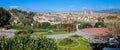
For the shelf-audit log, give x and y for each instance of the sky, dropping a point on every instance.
(60, 5)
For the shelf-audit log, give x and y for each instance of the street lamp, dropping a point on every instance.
(77, 26)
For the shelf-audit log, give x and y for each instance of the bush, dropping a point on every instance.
(24, 32)
(6, 27)
(68, 29)
(30, 31)
(58, 30)
(27, 43)
(99, 24)
(50, 31)
(66, 41)
(43, 30)
(76, 36)
(45, 25)
(86, 25)
(18, 32)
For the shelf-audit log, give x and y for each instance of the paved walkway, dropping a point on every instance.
(86, 36)
(68, 35)
(7, 33)
(60, 35)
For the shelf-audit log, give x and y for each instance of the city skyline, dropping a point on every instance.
(60, 5)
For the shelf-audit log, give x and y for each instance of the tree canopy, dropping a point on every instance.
(4, 16)
(45, 25)
(99, 24)
(86, 25)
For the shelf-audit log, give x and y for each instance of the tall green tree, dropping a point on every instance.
(86, 25)
(4, 16)
(99, 24)
(45, 25)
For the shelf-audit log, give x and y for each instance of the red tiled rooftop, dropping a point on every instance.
(96, 31)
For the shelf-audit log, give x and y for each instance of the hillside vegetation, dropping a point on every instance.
(20, 17)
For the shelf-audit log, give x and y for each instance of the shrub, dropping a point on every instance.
(45, 25)
(24, 32)
(99, 24)
(27, 43)
(6, 27)
(76, 36)
(30, 31)
(43, 30)
(18, 32)
(68, 29)
(66, 41)
(86, 25)
(50, 31)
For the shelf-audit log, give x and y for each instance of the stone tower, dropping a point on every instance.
(84, 13)
(91, 12)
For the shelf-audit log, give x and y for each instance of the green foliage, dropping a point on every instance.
(52, 26)
(66, 41)
(27, 43)
(19, 27)
(50, 31)
(17, 32)
(26, 18)
(99, 24)
(36, 25)
(30, 31)
(45, 25)
(86, 25)
(4, 16)
(76, 36)
(78, 44)
(72, 25)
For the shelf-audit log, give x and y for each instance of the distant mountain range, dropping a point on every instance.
(111, 11)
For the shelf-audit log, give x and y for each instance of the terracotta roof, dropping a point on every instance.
(96, 31)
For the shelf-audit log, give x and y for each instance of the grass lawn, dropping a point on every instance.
(46, 33)
(83, 45)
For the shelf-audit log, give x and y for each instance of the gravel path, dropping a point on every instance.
(86, 36)
(67, 35)
(59, 35)
(7, 33)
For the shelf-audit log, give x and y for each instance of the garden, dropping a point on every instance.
(25, 42)
(72, 44)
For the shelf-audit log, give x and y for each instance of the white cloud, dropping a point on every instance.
(84, 8)
(13, 7)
